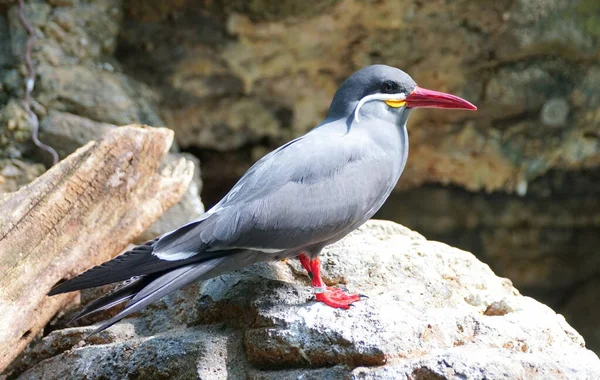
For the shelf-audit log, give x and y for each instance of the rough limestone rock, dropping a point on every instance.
(16, 173)
(78, 82)
(238, 78)
(433, 312)
(68, 131)
(249, 74)
(545, 245)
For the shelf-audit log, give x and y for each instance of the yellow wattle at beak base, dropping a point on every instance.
(395, 103)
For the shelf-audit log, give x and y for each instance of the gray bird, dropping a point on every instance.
(301, 197)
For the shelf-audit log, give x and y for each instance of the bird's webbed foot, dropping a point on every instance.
(334, 297)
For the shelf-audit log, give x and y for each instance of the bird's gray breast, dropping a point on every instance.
(383, 169)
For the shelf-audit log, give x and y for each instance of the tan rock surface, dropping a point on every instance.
(523, 171)
(78, 82)
(433, 310)
(245, 78)
(238, 78)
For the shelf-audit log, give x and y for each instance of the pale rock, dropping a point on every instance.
(433, 312)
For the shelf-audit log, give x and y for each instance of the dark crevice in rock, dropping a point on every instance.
(424, 373)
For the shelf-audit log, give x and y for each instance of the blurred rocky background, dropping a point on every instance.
(517, 183)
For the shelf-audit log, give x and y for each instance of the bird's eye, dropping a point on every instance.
(388, 87)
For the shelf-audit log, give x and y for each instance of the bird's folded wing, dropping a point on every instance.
(303, 193)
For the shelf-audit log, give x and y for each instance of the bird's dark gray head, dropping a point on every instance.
(385, 92)
(376, 80)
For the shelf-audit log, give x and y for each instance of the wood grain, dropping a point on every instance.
(78, 214)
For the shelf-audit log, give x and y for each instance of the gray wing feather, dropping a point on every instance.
(306, 192)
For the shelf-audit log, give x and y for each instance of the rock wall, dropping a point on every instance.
(78, 87)
(235, 77)
(80, 91)
(238, 79)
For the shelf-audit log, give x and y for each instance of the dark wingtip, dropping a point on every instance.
(64, 286)
(120, 268)
(57, 289)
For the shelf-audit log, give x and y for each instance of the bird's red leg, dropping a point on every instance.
(333, 297)
(305, 261)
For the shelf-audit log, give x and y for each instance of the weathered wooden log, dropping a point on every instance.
(80, 213)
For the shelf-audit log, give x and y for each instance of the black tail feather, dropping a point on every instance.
(115, 270)
(161, 286)
(139, 261)
(120, 294)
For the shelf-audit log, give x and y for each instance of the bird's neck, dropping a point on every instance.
(392, 137)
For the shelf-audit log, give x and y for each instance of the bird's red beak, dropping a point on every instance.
(423, 98)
